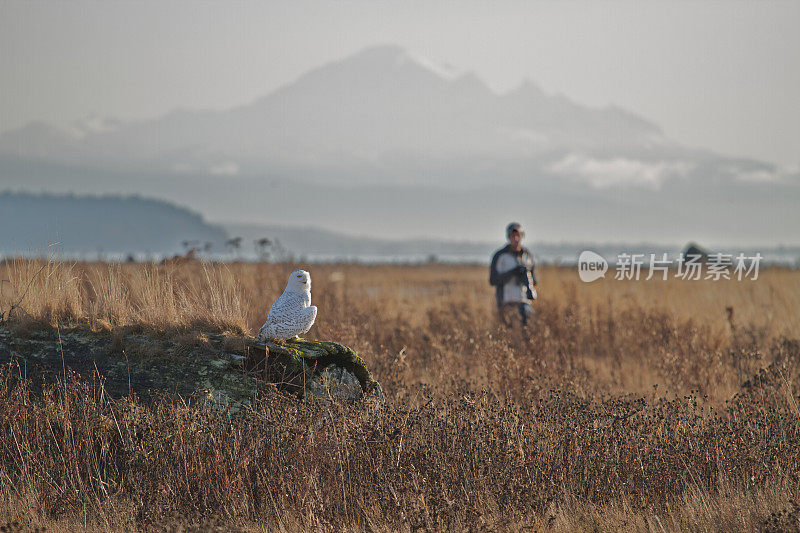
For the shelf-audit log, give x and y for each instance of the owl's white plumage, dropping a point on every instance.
(292, 313)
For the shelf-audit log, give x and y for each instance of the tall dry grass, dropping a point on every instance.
(613, 336)
(627, 405)
(238, 294)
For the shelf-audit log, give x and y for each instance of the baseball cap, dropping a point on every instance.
(514, 226)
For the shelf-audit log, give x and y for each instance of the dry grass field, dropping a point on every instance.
(627, 405)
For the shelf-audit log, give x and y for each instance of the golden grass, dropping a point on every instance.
(238, 295)
(617, 336)
(628, 405)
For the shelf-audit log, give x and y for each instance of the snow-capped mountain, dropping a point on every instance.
(381, 116)
(356, 143)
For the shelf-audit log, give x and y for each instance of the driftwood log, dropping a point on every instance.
(309, 368)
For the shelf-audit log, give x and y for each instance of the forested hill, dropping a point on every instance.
(29, 223)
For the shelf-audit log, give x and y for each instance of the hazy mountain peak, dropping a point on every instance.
(395, 58)
(381, 53)
(374, 58)
(380, 114)
(378, 61)
(444, 70)
(526, 88)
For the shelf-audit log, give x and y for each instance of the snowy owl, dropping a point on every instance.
(292, 313)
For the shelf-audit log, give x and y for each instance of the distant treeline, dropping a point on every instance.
(111, 224)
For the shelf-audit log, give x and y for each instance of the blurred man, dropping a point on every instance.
(513, 275)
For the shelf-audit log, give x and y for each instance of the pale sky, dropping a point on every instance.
(723, 75)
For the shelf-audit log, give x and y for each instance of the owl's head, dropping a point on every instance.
(299, 281)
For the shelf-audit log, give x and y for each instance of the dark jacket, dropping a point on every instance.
(499, 277)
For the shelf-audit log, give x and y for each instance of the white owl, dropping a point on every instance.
(292, 313)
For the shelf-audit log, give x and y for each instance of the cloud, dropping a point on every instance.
(784, 174)
(228, 168)
(525, 136)
(602, 173)
(758, 176)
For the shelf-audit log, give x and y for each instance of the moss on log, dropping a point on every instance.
(295, 364)
(232, 369)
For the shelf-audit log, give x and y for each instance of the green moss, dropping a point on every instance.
(145, 365)
(312, 357)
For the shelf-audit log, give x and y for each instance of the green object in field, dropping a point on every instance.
(230, 369)
(308, 367)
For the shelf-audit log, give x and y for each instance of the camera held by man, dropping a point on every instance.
(525, 279)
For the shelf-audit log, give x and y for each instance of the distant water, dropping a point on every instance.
(479, 254)
(787, 258)
(558, 254)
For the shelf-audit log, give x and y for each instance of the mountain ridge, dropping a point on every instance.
(366, 111)
(379, 141)
(111, 223)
